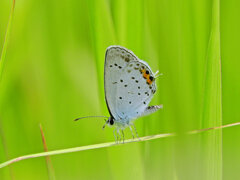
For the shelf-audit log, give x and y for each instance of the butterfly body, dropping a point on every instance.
(129, 85)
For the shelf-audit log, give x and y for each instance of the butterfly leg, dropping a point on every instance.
(123, 135)
(136, 132)
(116, 138)
(119, 135)
(131, 131)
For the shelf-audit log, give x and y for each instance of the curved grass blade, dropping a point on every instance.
(108, 144)
(6, 39)
(51, 174)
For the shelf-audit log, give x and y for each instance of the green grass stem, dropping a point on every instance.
(108, 144)
(6, 39)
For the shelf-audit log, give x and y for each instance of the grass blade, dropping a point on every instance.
(6, 39)
(51, 174)
(2, 62)
(212, 103)
(108, 144)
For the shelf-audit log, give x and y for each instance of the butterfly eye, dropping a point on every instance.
(111, 121)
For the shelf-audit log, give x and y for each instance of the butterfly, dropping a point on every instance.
(129, 85)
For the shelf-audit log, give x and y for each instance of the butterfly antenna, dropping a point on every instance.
(90, 117)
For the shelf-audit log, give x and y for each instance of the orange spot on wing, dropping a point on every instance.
(149, 81)
(146, 76)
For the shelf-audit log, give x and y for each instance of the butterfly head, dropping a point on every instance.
(109, 122)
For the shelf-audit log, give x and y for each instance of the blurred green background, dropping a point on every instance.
(54, 74)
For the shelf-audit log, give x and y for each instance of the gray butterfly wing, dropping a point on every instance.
(135, 90)
(116, 60)
(129, 83)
